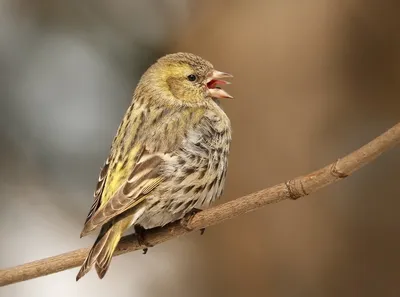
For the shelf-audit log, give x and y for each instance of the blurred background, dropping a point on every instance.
(314, 80)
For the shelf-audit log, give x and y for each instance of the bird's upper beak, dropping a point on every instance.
(216, 79)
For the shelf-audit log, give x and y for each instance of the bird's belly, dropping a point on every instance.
(194, 175)
(187, 189)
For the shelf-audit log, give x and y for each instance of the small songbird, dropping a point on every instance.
(168, 158)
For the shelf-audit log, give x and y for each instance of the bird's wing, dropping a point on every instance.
(99, 189)
(144, 178)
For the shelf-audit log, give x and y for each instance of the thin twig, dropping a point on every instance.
(292, 189)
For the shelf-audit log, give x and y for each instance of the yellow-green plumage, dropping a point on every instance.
(169, 155)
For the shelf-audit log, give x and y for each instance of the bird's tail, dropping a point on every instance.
(103, 249)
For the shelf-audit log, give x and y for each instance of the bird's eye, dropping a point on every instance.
(192, 77)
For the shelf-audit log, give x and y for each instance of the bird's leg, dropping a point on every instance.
(188, 217)
(141, 237)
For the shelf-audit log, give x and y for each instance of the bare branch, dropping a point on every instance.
(292, 189)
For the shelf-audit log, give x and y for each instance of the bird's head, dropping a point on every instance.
(186, 79)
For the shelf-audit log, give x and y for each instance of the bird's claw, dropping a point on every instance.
(188, 217)
(141, 238)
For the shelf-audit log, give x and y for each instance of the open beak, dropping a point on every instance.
(214, 80)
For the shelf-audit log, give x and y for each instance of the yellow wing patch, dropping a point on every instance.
(120, 170)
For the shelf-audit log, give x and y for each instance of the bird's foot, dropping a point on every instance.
(188, 217)
(141, 238)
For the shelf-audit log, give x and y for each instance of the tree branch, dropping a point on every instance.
(292, 189)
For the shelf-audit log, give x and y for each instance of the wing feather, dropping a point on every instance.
(144, 178)
(99, 190)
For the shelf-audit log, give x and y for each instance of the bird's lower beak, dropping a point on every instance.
(214, 80)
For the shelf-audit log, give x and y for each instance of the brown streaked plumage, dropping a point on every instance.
(168, 157)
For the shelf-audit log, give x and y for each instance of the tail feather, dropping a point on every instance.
(102, 251)
(104, 258)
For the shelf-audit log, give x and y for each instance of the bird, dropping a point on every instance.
(169, 156)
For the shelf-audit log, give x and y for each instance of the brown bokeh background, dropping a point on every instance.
(314, 80)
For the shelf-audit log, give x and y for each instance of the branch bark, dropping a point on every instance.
(292, 189)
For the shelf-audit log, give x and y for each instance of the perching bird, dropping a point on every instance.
(168, 158)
